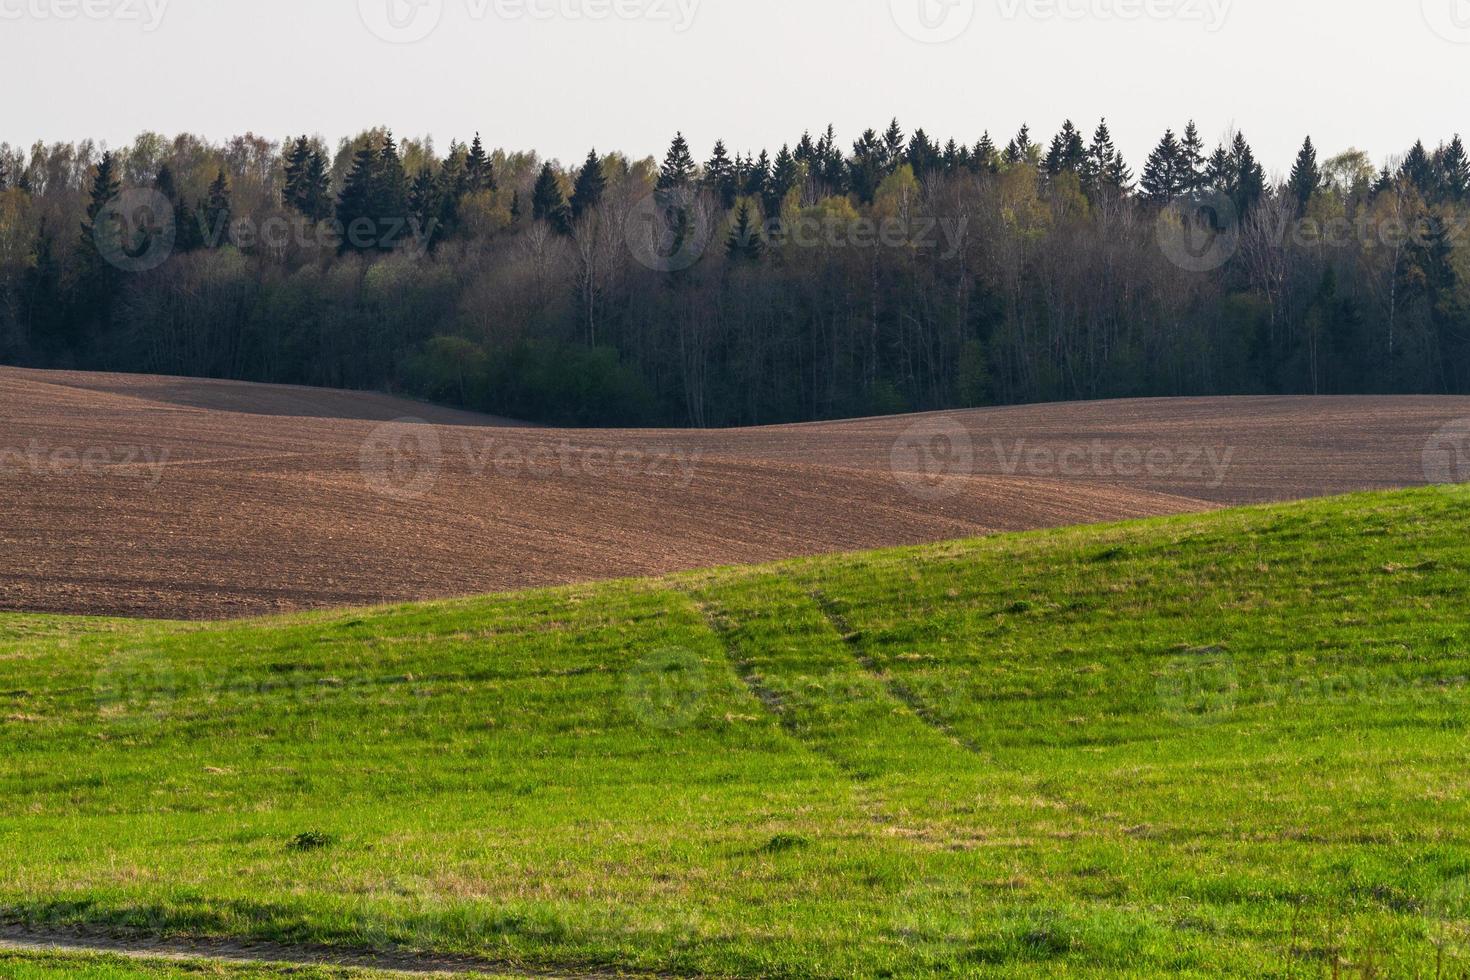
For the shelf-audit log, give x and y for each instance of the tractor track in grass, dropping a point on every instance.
(266, 955)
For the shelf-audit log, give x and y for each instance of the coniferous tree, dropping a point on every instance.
(298, 156)
(1164, 178)
(1383, 182)
(101, 231)
(186, 226)
(548, 204)
(833, 168)
(479, 173)
(590, 186)
(1192, 160)
(1104, 170)
(784, 175)
(923, 155)
(425, 203)
(1306, 177)
(720, 176)
(1067, 152)
(744, 243)
(1248, 183)
(678, 168)
(355, 205)
(1456, 167)
(891, 153)
(866, 169)
(218, 210)
(1023, 144)
(758, 176)
(985, 158)
(1418, 171)
(390, 194)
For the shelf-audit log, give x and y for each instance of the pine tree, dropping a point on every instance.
(1419, 171)
(806, 151)
(1306, 178)
(547, 201)
(758, 176)
(678, 168)
(1456, 167)
(217, 210)
(1163, 174)
(784, 175)
(105, 187)
(892, 148)
(590, 186)
(720, 176)
(1384, 181)
(424, 202)
(479, 173)
(390, 194)
(1066, 153)
(866, 169)
(1249, 184)
(1103, 170)
(1023, 144)
(923, 155)
(833, 168)
(355, 204)
(985, 158)
(744, 243)
(1191, 160)
(186, 226)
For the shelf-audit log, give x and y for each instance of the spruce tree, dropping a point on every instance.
(1102, 169)
(590, 186)
(1067, 152)
(784, 175)
(1249, 177)
(720, 176)
(758, 176)
(547, 201)
(1163, 173)
(985, 157)
(186, 226)
(355, 204)
(479, 173)
(390, 194)
(891, 154)
(1418, 170)
(424, 203)
(218, 210)
(105, 187)
(922, 155)
(1306, 178)
(1191, 160)
(833, 168)
(744, 243)
(1456, 166)
(678, 168)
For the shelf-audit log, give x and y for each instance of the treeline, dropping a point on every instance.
(898, 274)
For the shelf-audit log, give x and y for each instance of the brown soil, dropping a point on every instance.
(206, 499)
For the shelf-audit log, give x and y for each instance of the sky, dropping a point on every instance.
(562, 76)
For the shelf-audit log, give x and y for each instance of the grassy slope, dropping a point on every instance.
(1229, 743)
(72, 966)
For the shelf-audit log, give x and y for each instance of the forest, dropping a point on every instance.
(898, 273)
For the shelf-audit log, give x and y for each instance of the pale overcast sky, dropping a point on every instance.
(560, 76)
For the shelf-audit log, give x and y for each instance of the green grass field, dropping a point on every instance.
(1226, 744)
